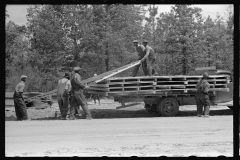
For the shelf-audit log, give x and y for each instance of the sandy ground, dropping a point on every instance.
(127, 132)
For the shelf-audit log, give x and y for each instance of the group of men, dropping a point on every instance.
(70, 90)
(148, 59)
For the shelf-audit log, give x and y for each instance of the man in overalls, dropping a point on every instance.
(150, 56)
(63, 91)
(77, 96)
(202, 97)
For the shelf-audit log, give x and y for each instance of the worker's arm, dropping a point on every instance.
(198, 84)
(147, 53)
(78, 81)
(206, 87)
(58, 86)
(68, 87)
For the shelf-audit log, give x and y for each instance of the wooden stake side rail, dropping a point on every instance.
(157, 85)
(154, 92)
(163, 78)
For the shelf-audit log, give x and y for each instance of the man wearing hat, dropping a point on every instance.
(63, 91)
(202, 98)
(77, 96)
(140, 49)
(151, 58)
(20, 106)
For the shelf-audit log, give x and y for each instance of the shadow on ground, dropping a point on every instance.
(112, 113)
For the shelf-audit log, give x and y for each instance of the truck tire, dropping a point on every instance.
(167, 107)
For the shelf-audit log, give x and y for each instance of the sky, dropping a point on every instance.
(18, 12)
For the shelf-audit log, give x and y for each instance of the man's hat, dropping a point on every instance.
(23, 76)
(145, 41)
(135, 41)
(76, 68)
(67, 75)
(205, 75)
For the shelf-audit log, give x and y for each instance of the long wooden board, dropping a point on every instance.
(95, 79)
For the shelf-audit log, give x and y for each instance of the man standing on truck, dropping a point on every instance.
(20, 106)
(202, 98)
(63, 91)
(77, 96)
(140, 49)
(150, 58)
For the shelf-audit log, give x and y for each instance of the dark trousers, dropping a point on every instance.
(151, 62)
(202, 101)
(20, 106)
(63, 101)
(78, 99)
(96, 97)
(144, 67)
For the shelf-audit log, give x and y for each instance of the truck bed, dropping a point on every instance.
(156, 85)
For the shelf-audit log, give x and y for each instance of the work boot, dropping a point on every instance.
(89, 118)
(72, 118)
(206, 110)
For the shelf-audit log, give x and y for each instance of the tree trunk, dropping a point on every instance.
(107, 58)
(184, 71)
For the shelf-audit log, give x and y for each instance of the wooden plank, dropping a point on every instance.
(98, 85)
(178, 86)
(213, 89)
(139, 82)
(115, 85)
(163, 87)
(118, 70)
(98, 78)
(99, 89)
(171, 83)
(130, 89)
(210, 80)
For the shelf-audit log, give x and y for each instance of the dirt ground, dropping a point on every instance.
(130, 131)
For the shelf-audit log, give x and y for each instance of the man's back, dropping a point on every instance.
(151, 52)
(61, 86)
(76, 82)
(202, 86)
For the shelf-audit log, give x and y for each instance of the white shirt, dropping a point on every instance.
(63, 84)
(20, 86)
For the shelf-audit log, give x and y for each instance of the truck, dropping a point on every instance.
(164, 103)
(167, 105)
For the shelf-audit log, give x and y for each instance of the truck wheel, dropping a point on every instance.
(168, 107)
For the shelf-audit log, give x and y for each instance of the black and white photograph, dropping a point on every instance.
(119, 80)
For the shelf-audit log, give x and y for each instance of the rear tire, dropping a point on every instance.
(168, 107)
